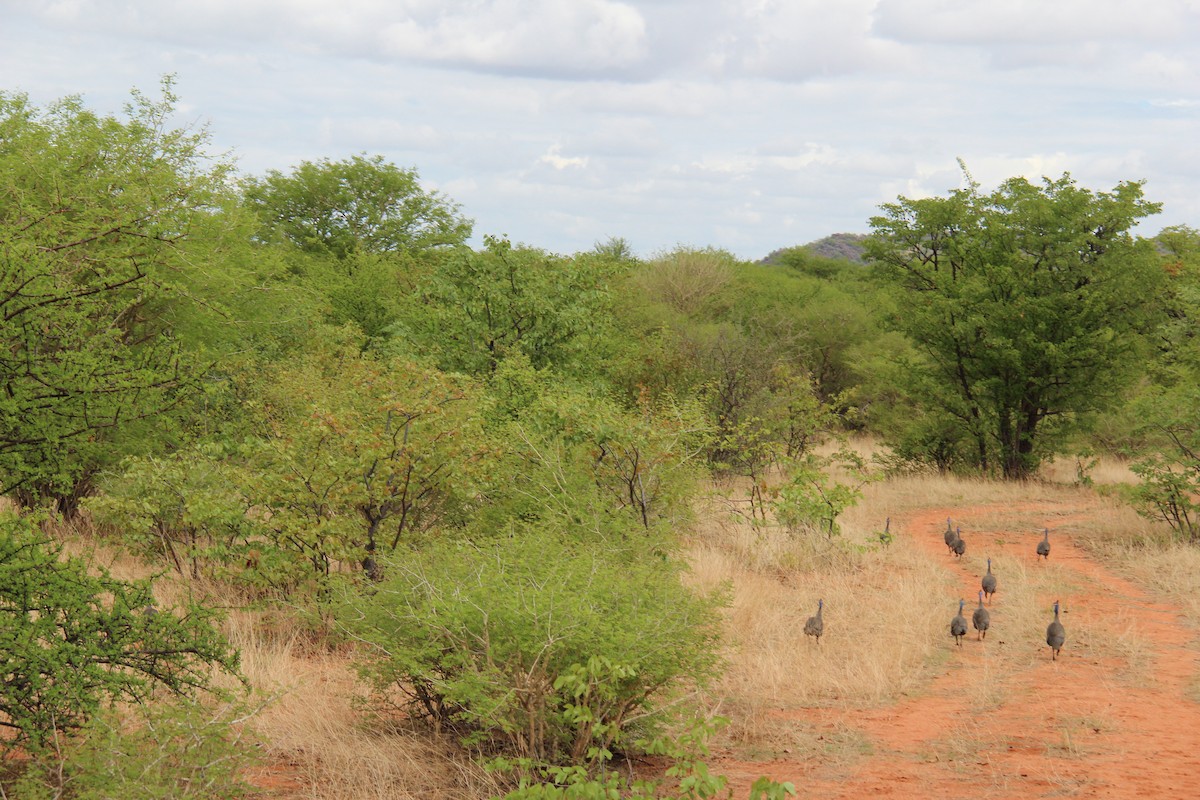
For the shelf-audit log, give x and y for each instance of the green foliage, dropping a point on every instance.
(356, 205)
(156, 751)
(768, 350)
(478, 308)
(688, 280)
(615, 248)
(189, 508)
(574, 453)
(1164, 430)
(687, 778)
(538, 648)
(813, 499)
(1170, 469)
(808, 262)
(1029, 305)
(72, 640)
(98, 225)
(358, 454)
(1167, 493)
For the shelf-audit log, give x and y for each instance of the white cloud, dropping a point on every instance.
(522, 36)
(747, 124)
(554, 158)
(973, 22)
(583, 35)
(800, 39)
(1177, 103)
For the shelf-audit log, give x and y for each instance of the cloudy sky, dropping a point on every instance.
(743, 124)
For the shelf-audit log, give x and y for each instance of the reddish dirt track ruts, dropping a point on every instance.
(1088, 725)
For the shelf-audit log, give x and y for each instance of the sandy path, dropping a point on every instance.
(1003, 720)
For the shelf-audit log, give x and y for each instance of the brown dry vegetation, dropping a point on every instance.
(888, 705)
(883, 701)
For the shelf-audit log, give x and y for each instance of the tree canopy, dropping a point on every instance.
(97, 216)
(1028, 305)
(361, 204)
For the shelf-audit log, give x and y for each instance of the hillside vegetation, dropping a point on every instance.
(309, 496)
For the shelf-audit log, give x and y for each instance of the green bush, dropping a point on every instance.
(70, 640)
(158, 751)
(187, 509)
(537, 648)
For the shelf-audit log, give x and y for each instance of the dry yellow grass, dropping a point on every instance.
(886, 611)
(1100, 470)
(885, 607)
(319, 737)
(317, 740)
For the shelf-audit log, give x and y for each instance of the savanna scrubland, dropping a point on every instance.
(309, 497)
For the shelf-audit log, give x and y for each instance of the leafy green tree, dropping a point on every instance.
(72, 639)
(98, 224)
(1029, 306)
(1166, 413)
(358, 454)
(356, 205)
(565, 443)
(184, 749)
(478, 308)
(190, 508)
(813, 499)
(687, 280)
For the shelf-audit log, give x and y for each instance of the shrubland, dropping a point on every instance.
(532, 509)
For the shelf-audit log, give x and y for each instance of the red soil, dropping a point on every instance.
(1089, 725)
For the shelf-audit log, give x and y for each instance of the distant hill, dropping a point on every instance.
(846, 246)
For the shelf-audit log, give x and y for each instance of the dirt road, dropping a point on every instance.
(1115, 717)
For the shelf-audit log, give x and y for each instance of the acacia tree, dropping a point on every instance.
(1168, 413)
(359, 455)
(97, 216)
(1028, 304)
(357, 205)
(478, 308)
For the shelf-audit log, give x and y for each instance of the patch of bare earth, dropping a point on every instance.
(1113, 717)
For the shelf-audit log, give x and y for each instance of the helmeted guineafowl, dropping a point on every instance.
(959, 547)
(1043, 549)
(981, 619)
(949, 536)
(958, 625)
(815, 626)
(989, 582)
(1055, 635)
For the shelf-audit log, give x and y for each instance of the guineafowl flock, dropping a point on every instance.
(981, 619)
(1056, 635)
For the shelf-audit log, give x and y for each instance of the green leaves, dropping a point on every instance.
(814, 500)
(96, 222)
(537, 646)
(358, 454)
(1029, 305)
(483, 307)
(71, 640)
(356, 205)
